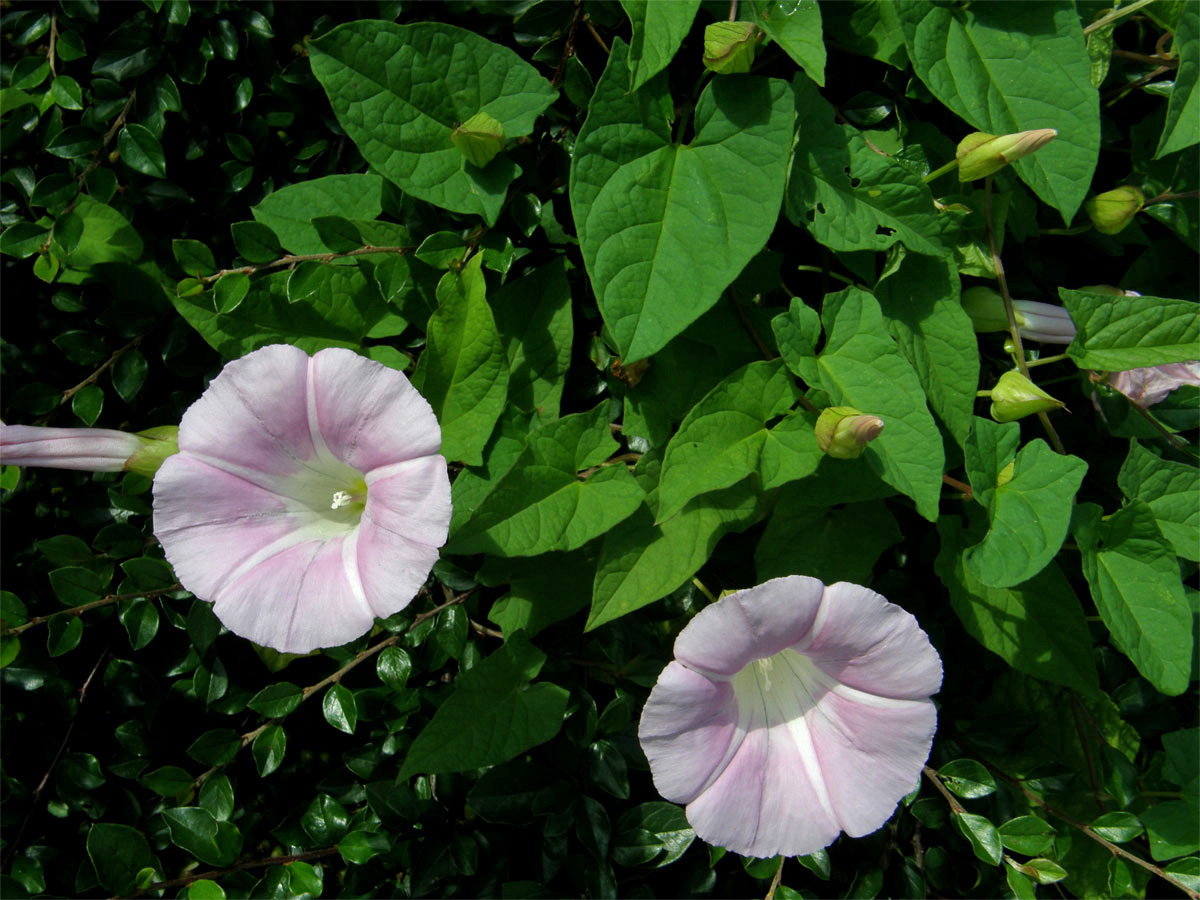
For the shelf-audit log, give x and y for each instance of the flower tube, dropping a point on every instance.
(1043, 322)
(89, 449)
(792, 712)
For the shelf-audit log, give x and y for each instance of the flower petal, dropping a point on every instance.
(90, 449)
(297, 599)
(687, 727)
(750, 624)
(254, 414)
(368, 414)
(862, 640)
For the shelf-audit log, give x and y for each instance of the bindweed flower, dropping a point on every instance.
(1043, 322)
(843, 432)
(89, 449)
(729, 46)
(1150, 385)
(1015, 397)
(1111, 211)
(793, 711)
(981, 154)
(307, 497)
(479, 139)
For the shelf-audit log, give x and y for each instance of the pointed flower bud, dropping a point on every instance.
(1111, 211)
(88, 449)
(729, 46)
(843, 432)
(981, 154)
(1015, 397)
(1043, 322)
(479, 139)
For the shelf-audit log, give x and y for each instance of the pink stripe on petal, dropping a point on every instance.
(866, 642)
(296, 600)
(368, 414)
(687, 727)
(413, 500)
(90, 449)
(392, 568)
(749, 625)
(254, 414)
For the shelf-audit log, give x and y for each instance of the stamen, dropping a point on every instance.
(764, 667)
(340, 499)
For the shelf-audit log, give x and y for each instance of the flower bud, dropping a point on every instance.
(1015, 397)
(87, 449)
(1111, 211)
(1037, 321)
(155, 445)
(479, 139)
(843, 432)
(729, 46)
(981, 154)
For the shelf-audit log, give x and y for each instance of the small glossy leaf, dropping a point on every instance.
(141, 151)
(1028, 835)
(118, 852)
(88, 403)
(393, 666)
(982, 834)
(276, 700)
(967, 778)
(268, 749)
(1118, 826)
(340, 709)
(255, 242)
(230, 290)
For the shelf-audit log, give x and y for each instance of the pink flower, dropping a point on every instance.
(792, 712)
(1152, 384)
(307, 497)
(90, 449)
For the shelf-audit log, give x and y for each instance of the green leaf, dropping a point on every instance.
(140, 618)
(1171, 490)
(1119, 333)
(268, 749)
(1118, 826)
(654, 832)
(168, 781)
(23, 239)
(88, 403)
(641, 561)
(107, 236)
(141, 151)
(795, 25)
(982, 834)
(215, 747)
(541, 504)
(193, 257)
(922, 310)
(832, 543)
(463, 372)
(325, 820)
(1037, 628)
(533, 316)
(393, 667)
(276, 700)
(63, 634)
(216, 795)
(658, 30)
(194, 830)
(66, 92)
(493, 714)
(1028, 515)
(1027, 835)
(340, 709)
(1015, 67)
(129, 374)
(1171, 829)
(542, 589)
(1134, 578)
(968, 779)
(441, 249)
(1186, 872)
(861, 367)
(847, 195)
(230, 290)
(74, 142)
(384, 70)
(1182, 127)
(359, 847)
(653, 214)
(289, 211)
(256, 242)
(337, 233)
(1044, 871)
(725, 438)
(118, 852)
(205, 890)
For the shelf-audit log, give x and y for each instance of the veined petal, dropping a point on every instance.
(411, 499)
(255, 413)
(89, 449)
(370, 415)
(392, 567)
(749, 625)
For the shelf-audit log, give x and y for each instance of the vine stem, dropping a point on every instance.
(1168, 195)
(968, 494)
(53, 42)
(108, 139)
(107, 600)
(104, 367)
(236, 867)
(1002, 280)
(1116, 14)
(312, 689)
(568, 45)
(778, 877)
(293, 258)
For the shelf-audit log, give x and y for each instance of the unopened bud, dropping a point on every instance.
(1111, 211)
(843, 432)
(1015, 397)
(981, 154)
(1038, 321)
(479, 139)
(155, 445)
(729, 46)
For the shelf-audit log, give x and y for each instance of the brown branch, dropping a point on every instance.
(1014, 331)
(293, 258)
(1167, 195)
(587, 20)
(1168, 61)
(484, 631)
(932, 775)
(236, 867)
(1134, 85)
(621, 458)
(968, 494)
(778, 872)
(104, 367)
(108, 139)
(568, 46)
(106, 600)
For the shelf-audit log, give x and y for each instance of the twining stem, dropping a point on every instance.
(968, 494)
(778, 877)
(107, 600)
(621, 458)
(236, 867)
(838, 275)
(1116, 14)
(1046, 360)
(702, 589)
(312, 689)
(587, 20)
(1002, 281)
(293, 258)
(733, 7)
(1168, 195)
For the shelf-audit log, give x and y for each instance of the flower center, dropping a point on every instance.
(784, 686)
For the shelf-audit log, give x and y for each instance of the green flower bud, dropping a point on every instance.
(1015, 397)
(729, 46)
(479, 139)
(981, 154)
(1111, 211)
(156, 445)
(843, 432)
